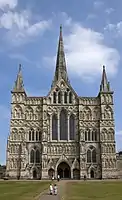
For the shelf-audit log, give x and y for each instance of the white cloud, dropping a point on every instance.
(114, 29)
(86, 52)
(10, 4)
(109, 10)
(19, 27)
(98, 4)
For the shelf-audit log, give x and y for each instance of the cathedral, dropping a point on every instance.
(61, 133)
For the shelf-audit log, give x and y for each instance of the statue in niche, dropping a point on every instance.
(82, 134)
(45, 115)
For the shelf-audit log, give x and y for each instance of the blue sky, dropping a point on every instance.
(29, 33)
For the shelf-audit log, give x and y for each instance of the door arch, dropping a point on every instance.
(51, 173)
(76, 174)
(64, 170)
(34, 174)
(92, 174)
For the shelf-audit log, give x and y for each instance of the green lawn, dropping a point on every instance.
(21, 190)
(103, 190)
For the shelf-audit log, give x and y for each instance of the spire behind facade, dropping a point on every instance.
(19, 87)
(104, 87)
(61, 71)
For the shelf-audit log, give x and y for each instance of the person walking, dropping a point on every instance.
(55, 189)
(51, 189)
(58, 177)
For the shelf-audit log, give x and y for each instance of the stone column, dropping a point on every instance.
(50, 128)
(68, 138)
(58, 115)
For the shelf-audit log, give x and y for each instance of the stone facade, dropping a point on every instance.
(61, 133)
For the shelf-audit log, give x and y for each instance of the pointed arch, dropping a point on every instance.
(65, 97)
(72, 127)
(54, 127)
(88, 156)
(18, 111)
(70, 97)
(32, 156)
(32, 134)
(91, 154)
(54, 97)
(94, 155)
(29, 135)
(85, 135)
(89, 135)
(59, 96)
(37, 156)
(63, 125)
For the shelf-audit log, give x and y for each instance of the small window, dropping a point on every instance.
(65, 97)
(29, 135)
(70, 97)
(39, 135)
(59, 97)
(88, 135)
(32, 135)
(36, 135)
(54, 97)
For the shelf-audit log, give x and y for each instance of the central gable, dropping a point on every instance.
(63, 93)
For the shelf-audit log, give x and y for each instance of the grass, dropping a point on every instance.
(103, 190)
(21, 190)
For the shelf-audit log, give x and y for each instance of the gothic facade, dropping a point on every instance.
(61, 133)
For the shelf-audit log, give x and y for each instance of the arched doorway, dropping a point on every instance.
(63, 170)
(92, 173)
(76, 174)
(51, 173)
(34, 174)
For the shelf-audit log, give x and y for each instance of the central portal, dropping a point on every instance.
(63, 170)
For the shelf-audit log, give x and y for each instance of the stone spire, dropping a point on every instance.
(19, 86)
(105, 86)
(61, 71)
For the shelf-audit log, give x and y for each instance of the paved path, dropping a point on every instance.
(61, 191)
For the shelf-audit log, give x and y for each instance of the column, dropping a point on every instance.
(68, 128)
(58, 115)
(50, 129)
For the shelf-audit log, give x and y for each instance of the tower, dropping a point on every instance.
(17, 138)
(107, 129)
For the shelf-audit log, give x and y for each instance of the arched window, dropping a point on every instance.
(32, 156)
(37, 136)
(32, 135)
(94, 155)
(72, 127)
(54, 97)
(59, 97)
(37, 156)
(89, 156)
(88, 135)
(95, 135)
(92, 135)
(65, 97)
(63, 125)
(54, 127)
(29, 135)
(70, 97)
